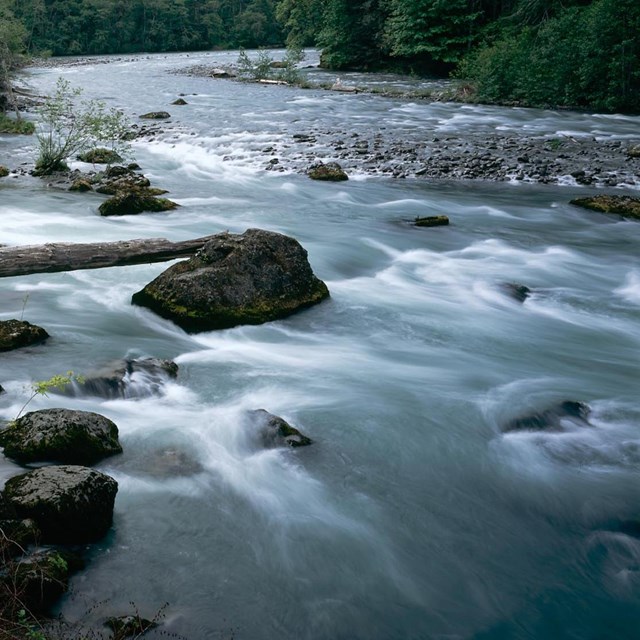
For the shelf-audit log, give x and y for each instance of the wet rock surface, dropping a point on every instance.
(276, 432)
(19, 333)
(626, 206)
(70, 504)
(235, 279)
(60, 435)
(431, 221)
(552, 419)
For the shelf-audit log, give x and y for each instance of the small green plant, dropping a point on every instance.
(258, 69)
(15, 125)
(42, 387)
(25, 299)
(290, 72)
(69, 125)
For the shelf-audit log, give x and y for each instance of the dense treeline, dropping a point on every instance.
(583, 53)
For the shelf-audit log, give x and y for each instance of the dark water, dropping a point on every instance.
(413, 516)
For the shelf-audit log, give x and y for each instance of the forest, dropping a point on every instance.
(561, 53)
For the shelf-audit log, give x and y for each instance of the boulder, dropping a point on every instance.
(81, 185)
(431, 221)
(100, 155)
(634, 151)
(127, 378)
(276, 432)
(60, 435)
(250, 278)
(70, 504)
(516, 291)
(4, 172)
(626, 206)
(331, 171)
(155, 115)
(180, 102)
(19, 333)
(134, 201)
(552, 419)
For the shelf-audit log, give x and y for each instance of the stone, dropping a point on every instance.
(133, 202)
(276, 432)
(18, 535)
(129, 626)
(100, 155)
(250, 278)
(516, 291)
(15, 334)
(634, 151)
(431, 221)
(60, 435)
(82, 185)
(70, 504)
(552, 419)
(331, 171)
(155, 115)
(180, 102)
(127, 378)
(626, 206)
(4, 172)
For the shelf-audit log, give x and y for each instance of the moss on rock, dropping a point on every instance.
(626, 206)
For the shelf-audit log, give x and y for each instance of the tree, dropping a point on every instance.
(12, 37)
(68, 126)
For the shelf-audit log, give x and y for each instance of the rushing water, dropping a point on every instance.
(413, 515)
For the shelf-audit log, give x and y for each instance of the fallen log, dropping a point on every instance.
(52, 257)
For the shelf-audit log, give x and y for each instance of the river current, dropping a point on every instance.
(413, 515)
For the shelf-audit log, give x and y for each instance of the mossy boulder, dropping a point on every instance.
(250, 278)
(634, 151)
(82, 185)
(626, 206)
(70, 504)
(155, 115)
(19, 333)
(4, 172)
(60, 435)
(431, 221)
(276, 432)
(134, 201)
(331, 171)
(100, 155)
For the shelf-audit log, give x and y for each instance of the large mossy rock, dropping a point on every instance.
(18, 333)
(70, 504)
(60, 435)
(100, 155)
(135, 201)
(622, 205)
(331, 171)
(250, 278)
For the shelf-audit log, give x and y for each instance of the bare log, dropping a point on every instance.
(49, 258)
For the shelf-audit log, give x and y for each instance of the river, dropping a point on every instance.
(413, 515)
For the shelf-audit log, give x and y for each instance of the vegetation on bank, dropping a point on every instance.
(557, 53)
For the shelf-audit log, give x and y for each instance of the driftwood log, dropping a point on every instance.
(49, 258)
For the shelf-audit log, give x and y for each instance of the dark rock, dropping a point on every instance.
(40, 579)
(156, 115)
(551, 419)
(70, 504)
(81, 184)
(516, 291)
(330, 171)
(134, 166)
(125, 182)
(634, 151)
(60, 435)
(276, 432)
(128, 378)
(18, 535)
(180, 102)
(431, 221)
(235, 279)
(135, 201)
(18, 333)
(7, 512)
(129, 626)
(4, 172)
(622, 205)
(100, 155)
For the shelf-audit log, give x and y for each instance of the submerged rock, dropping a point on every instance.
(155, 115)
(516, 291)
(70, 504)
(4, 172)
(100, 155)
(551, 419)
(127, 378)
(235, 279)
(431, 221)
(626, 206)
(180, 102)
(60, 435)
(134, 201)
(331, 171)
(19, 333)
(276, 432)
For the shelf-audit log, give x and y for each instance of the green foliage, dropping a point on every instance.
(68, 126)
(582, 57)
(301, 20)
(15, 125)
(42, 387)
(264, 67)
